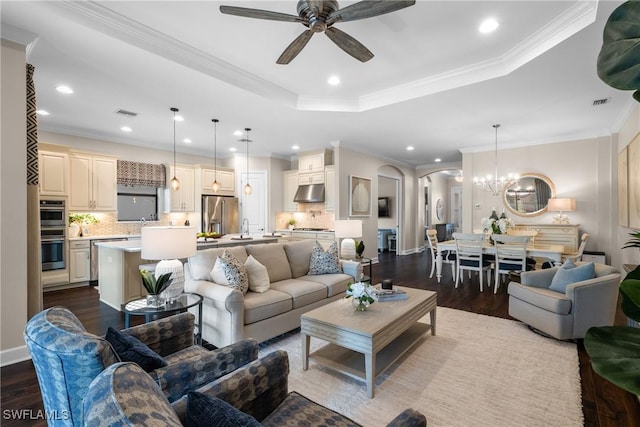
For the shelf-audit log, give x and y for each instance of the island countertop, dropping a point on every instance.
(135, 245)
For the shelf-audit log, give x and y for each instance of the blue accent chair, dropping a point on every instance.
(67, 359)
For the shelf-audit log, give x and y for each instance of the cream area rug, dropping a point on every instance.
(477, 371)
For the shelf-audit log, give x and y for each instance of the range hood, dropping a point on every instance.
(310, 193)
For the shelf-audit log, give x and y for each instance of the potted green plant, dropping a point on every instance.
(615, 350)
(155, 287)
(292, 223)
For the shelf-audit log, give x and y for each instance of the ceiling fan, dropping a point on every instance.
(319, 16)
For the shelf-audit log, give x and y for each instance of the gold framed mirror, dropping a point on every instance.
(529, 196)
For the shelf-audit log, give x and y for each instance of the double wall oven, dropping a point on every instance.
(53, 228)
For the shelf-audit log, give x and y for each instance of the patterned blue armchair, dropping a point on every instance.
(67, 358)
(124, 394)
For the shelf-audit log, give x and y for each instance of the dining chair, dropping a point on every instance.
(470, 256)
(448, 257)
(528, 233)
(578, 255)
(511, 255)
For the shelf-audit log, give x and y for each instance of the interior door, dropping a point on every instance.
(254, 206)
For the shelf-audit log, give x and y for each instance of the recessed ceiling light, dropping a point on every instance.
(411, 148)
(334, 80)
(42, 112)
(179, 119)
(488, 25)
(126, 129)
(438, 160)
(64, 89)
(295, 147)
(238, 133)
(233, 149)
(186, 141)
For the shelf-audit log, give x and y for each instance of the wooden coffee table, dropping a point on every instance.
(364, 344)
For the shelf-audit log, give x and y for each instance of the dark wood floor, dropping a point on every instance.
(603, 403)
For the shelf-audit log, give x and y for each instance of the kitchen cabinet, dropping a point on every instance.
(182, 199)
(555, 234)
(330, 189)
(290, 184)
(312, 161)
(79, 261)
(92, 183)
(305, 178)
(226, 179)
(52, 168)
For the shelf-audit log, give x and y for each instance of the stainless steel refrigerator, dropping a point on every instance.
(220, 214)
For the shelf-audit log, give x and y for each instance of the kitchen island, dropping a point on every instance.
(119, 263)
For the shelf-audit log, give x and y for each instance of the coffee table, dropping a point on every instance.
(364, 344)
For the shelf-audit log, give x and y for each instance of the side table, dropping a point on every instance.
(182, 303)
(366, 262)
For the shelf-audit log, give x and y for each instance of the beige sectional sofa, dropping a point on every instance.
(229, 316)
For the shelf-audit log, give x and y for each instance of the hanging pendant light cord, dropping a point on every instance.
(496, 126)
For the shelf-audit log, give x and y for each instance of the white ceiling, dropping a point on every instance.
(434, 83)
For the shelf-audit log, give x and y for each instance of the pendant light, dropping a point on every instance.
(247, 188)
(495, 184)
(175, 184)
(215, 186)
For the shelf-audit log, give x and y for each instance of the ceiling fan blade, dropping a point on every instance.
(367, 9)
(350, 45)
(259, 14)
(295, 47)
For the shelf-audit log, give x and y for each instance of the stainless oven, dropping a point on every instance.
(53, 230)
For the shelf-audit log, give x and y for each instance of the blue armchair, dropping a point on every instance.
(67, 359)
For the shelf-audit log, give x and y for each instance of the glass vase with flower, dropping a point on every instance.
(363, 295)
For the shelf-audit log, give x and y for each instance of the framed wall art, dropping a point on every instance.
(359, 196)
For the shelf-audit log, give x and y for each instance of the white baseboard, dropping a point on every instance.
(14, 355)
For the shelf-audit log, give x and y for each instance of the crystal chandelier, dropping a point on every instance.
(496, 183)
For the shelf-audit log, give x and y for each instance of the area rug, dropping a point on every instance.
(477, 371)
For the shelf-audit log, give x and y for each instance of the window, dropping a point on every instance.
(135, 203)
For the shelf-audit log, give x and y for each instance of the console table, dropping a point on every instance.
(566, 235)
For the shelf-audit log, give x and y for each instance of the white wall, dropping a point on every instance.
(13, 208)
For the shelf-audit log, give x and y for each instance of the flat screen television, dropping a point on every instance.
(384, 207)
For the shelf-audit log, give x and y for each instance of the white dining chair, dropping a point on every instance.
(470, 256)
(531, 234)
(511, 255)
(578, 255)
(448, 257)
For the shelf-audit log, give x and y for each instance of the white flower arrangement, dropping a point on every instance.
(362, 291)
(496, 225)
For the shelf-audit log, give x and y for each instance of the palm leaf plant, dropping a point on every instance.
(153, 285)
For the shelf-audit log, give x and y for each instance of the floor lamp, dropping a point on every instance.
(347, 230)
(169, 244)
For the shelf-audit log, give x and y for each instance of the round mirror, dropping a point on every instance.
(529, 196)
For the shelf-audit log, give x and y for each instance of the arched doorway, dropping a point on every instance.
(390, 210)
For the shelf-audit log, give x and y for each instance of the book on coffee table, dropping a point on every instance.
(391, 295)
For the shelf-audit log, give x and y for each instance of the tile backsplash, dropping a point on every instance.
(308, 216)
(109, 224)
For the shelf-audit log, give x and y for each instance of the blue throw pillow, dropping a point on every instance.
(131, 349)
(567, 275)
(205, 411)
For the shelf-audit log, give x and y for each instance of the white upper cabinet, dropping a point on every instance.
(182, 199)
(226, 179)
(290, 183)
(92, 182)
(53, 168)
(314, 161)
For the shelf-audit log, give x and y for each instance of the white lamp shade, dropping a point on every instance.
(160, 243)
(561, 205)
(348, 228)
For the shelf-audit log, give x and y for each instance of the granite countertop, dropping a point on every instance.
(106, 236)
(303, 231)
(135, 245)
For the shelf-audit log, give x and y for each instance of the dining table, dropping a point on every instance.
(552, 252)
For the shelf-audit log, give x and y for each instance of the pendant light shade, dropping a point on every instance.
(215, 186)
(247, 188)
(175, 184)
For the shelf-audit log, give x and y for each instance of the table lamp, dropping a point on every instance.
(561, 205)
(168, 244)
(347, 230)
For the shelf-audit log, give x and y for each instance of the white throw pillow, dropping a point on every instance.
(229, 271)
(258, 275)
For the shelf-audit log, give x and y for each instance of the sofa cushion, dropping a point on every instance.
(208, 411)
(265, 305)
(303, 292)
(274, 258)
(201, 264)
(258, 275)
(569, 273)
(229, 271)
(131, 349)
(335, 283)
(324, 262)
(299, 255)
(546, 299)
(297, 410)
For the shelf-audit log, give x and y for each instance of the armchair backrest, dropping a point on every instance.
(66, 359)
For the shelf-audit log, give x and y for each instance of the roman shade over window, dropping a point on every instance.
(141, 174)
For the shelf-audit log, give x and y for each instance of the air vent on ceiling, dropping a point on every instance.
(126, 113)
(601, 101)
